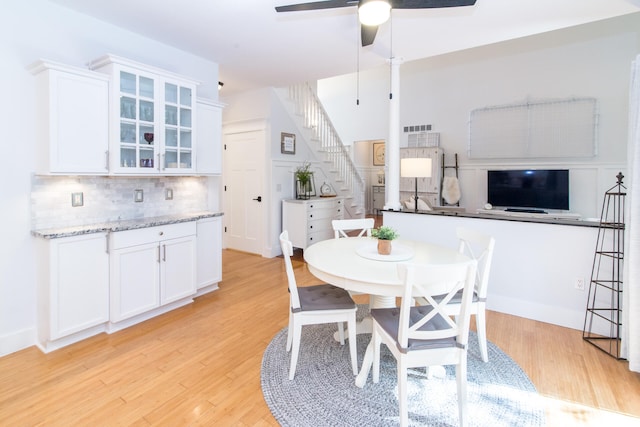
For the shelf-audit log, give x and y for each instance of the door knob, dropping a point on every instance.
(259, 198)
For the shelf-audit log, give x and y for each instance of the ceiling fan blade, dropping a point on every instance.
(368, 34)
(316, 5)
(429, 4)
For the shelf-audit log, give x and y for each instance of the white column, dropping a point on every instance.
(392, 149)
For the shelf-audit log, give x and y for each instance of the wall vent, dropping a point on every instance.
(417, 128)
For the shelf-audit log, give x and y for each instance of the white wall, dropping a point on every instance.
(30, 31)
(590, 60)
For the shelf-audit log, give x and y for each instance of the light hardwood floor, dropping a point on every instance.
(200, 364)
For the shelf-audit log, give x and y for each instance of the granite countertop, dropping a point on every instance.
(557, 219)
(123, 225)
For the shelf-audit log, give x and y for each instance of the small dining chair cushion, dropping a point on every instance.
(457, 298)
(323, 297)
(388, 319)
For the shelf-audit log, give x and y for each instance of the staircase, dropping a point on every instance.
(318, 132)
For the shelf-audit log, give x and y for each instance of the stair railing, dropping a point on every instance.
(325, 140)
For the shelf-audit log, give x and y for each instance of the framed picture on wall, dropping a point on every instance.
(378, 154)
(287, 143)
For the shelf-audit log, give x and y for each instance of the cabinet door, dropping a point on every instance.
(137, 115)
(178, 127)
(135, 280)
(177, 269)
(378, 198)
(209, 142)
(79, 284)
(432, 184)
(425, 185)
(73, 111)
(209, 251)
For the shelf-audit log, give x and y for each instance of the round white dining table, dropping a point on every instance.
(353, 264)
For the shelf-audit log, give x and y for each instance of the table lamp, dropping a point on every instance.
(415, 168)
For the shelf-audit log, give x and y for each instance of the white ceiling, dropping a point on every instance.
(256, 47)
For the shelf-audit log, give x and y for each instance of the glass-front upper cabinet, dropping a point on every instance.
(152, 129)
(178, 125)
(136, 121)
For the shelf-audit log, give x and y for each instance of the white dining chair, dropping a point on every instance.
(478, 246)
(362, 225)
(318, 304)
(425, 335)
(342, 226)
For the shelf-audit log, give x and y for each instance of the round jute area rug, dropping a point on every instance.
(324, 393)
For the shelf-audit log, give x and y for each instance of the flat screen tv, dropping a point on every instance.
(530, 190)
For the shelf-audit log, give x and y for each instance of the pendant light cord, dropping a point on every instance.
(390, 52)
(358, 42)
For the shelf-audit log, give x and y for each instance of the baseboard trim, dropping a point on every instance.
(17, 341)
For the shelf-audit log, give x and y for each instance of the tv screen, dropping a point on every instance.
(529, 189)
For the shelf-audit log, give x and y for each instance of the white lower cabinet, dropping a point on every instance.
(104, 282)
(209, 265)
(151, 267)
(73, 281)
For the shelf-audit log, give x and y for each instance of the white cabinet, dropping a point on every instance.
(428, 188)
(73, 119)
(209, 250)
(309, 221)
(209, 146)
(377, 198)
(152, 118)
(151, 267)
(73, 287)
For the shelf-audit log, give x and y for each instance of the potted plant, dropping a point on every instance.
(303, 180)
(384, 235)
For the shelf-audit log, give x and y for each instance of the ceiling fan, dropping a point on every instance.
(381, 9)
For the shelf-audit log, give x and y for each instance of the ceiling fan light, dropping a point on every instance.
(374, 12)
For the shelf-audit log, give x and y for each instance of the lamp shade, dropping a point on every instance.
(415, 168)
(374, 12)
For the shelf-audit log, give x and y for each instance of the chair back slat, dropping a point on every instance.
(429, 281)
(342, 226)
(287, 253)
(478, 246)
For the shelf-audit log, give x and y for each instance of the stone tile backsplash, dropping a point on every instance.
(111, 198)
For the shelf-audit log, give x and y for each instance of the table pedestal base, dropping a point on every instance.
(365, 326)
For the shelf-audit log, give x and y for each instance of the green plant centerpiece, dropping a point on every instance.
(303, 176)
(384, 235)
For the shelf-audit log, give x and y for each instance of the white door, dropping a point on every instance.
(244, 214)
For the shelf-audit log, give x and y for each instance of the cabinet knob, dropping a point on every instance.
(161, 233)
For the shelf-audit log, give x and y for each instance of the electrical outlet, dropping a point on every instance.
(77, 199)
(168, 194)
(138, 196)
(579, 284)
